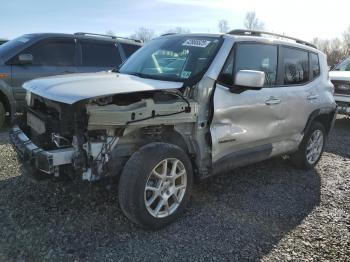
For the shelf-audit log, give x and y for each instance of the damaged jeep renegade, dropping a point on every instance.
(182, 108)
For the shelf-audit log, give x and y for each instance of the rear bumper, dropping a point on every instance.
(37, 158)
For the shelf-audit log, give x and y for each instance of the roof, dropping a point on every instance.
(82, 35)
(259, 36)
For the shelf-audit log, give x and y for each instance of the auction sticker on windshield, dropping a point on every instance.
(196, 43)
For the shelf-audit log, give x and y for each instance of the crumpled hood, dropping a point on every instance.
(72, 88)
(340, 75)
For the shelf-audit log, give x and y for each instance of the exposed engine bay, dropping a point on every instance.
(100, 134)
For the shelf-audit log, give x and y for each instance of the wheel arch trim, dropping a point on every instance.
(329, 113)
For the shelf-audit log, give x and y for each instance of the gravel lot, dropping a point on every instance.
(268, 211)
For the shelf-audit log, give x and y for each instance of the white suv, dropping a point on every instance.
(340, 76)
(182, 107)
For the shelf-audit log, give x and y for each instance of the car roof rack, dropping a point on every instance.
(109, 36)
(244, 32)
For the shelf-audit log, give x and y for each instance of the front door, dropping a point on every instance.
(50, 57)
(245, 120)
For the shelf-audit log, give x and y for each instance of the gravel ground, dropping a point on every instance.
(268, 211)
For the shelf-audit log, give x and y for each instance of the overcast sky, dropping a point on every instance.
(299, 18)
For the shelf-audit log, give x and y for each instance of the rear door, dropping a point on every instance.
(298, 87)
(54, 56)
(98, 55)
(246, 119)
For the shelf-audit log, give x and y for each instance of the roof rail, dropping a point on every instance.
(110, 36)
(261, 33)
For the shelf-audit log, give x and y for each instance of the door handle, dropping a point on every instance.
(273, 101)
(312, 97)
(67, 72)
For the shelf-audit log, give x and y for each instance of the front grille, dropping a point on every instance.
(60, 119)
(51, 126)
(57, 119)
(338, 90)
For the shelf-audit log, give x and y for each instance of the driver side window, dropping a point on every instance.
(251, 56)
(258, 57)
(55, 52)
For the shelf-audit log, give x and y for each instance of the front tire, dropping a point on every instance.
(155, 185)
(311, 148)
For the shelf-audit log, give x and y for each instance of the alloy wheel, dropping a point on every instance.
(165, 188)
(314, 147)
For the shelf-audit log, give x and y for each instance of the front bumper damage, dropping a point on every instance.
(37, 158)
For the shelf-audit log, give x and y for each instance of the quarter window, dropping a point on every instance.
(226, 77)
(257, 57)
(295, 66)
(100, 54)
(315, 65)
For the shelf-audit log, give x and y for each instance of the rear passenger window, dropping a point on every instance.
(53, 53)
(100, 54)
(295, 66)
(315, 65)
(129, 49)
(257, 57)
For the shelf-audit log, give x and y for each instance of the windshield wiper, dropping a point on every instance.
(155, 77)
(136, 74)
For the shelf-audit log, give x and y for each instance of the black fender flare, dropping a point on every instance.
(6, 92)
(329, 111)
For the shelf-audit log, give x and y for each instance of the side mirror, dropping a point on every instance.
(25, 59)
(250, 79)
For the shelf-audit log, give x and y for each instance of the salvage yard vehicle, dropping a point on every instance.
(184, 107)
(340, 77)
(37, 55)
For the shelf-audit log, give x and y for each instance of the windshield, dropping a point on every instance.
(174, 58)
(14, 45)
(343, 66)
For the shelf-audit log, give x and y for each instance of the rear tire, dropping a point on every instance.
(2, 115)
(155, 185)
(311, 148)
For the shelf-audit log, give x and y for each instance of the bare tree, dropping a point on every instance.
(110, 32)
(252, 22)
(178, 30)
(223, 26)
(346, 36)
(333, 48)
(144, 34)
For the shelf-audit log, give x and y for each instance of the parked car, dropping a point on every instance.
(182, 107)
(340, 77)
(38, 55)
(2, 41)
